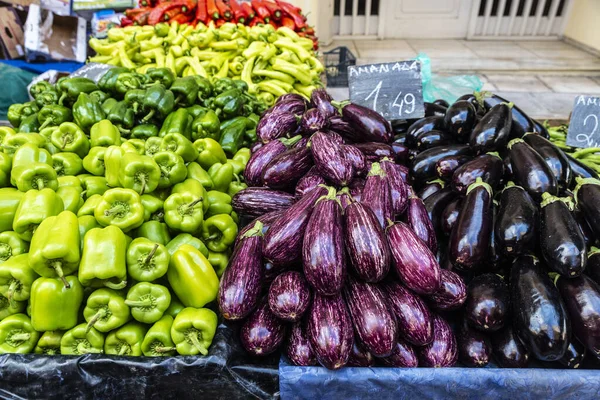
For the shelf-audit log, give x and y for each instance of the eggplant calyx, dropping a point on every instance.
(593, 250)
(481, 96)
(441, 182)
(331, 195)
(346, 190)
(513, 142)
(510, 105)
(511, 184)
(554, 276)
(479, 182)
(256, 230)
(584, 181)
(494, 153)
(376, 170)
(547, 198)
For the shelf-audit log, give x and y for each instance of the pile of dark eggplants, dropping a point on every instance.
(345, 264)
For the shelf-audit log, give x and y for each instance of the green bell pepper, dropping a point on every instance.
(109, 79)
(221, 175)
(242, 156)
(209, 152)
(219, 261)
(153, 207)
(185, 90)
(147, 260)
(236, 186)
(71, 197)
(39, 87)
(55, 306)
(93, 185)
(218, 203)
(87, 111)
(112, 165)
(11, 245)
(205, 88)
(125, 82)
(155, 231)
(123, 117)
(180, 145)
(35, 207)
(219, 232)
(144, 131)
(186, 238)
(72, 181)
(103, 258)
(126, 341)
(108, 104)
(172, 168)
(152, 145)
(53, 115)
(15, 114)
(148, 301)
(175, 307)
(5, 167)
(28, 154)
(106, 310)
(67, 164)
(177, 122)
(206, 125)
(90, 205)
(71, 88)
(93, 162)
(17, 335)
(140, 173)
(157, 100)
(194, 187)
(29, 124)
(16, 278)
(70, 138)
(105, 134)
(10, 199)
(183, 212)
(191, 277)
(11, 307)
(135, 99)
(158, 339)
(121, 208)
(13, 142)
(49, 343)
(232, 134)
(86, 223)
(100, 96)
(163, 76)
(195, 171)
(193, 330)
(37, 175)
(79, 340)
(47, 97)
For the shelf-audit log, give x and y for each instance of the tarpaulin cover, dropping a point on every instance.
(226, 373)
(436, 383)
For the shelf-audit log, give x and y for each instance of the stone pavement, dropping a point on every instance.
(541, 77)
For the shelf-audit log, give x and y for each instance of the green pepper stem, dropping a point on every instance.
(151, 254)
(193, 203)
(20, 337)
(115, 286)
(40, 183)
(123, 130)
(64, 143)
(46, 123)
(11, 291)
(148, 116)
(164, 349)
(62, 98)
(194, 338)
(143, 187)
(123, 350)
(178, 99)
(101, 313)
(57, 265)
(139, 303)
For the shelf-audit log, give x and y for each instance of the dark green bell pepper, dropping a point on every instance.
(144, 131)
(163, 76)
(100, 96)
(29, 124)
(123, 117)
(157, 101)
(177, 122)
(125, 82)
(47, 97)
(71, 88)
(232, 134)
(53, 115)
(185, 90)
(206, 125)
(87, 111)
(109, 79)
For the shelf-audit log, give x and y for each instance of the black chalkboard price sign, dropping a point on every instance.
(584, 127)
(394, 90)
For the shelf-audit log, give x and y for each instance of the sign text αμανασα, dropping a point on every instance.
(584, 127)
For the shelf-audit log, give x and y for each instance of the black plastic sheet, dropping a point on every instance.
(226, 373)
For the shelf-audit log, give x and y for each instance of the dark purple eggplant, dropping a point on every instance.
(586, 230)
(289, 296)
(430, 188)
(312, 121)
(516, 225)
(442, 351)
(493, 131)
(540, 130)
(460, 120)
(521, 123)
(365, 242)
(403, 356)
(427, 140)
(436, 204)
(262, 333)
(452, 294)
(308, 182)
(442, 102)
(374, 324)
(582, 299)
(360, 357)
(356, 158)
(539, 316)
(470, 238)
(266, 220)
(275, 125)
(574, 355)
(432, 109)
(555, 158)
(508, 171)
(423, 166)
(487, 305)
(330, 159)
(415, 322)
(530, 170)
(419, 221)
(375, 152)
(255, 202)
(401, 153)
(476, 102)
(284, 171)
(561, 243)
(488, 167)
(398, 186)
(320, 99)
(329, 330)
(343, 128)
(423, 125)
(415, 264)
(508, 350)
(588, 201)
(283, 241)
(474, 347)
(371, 126)
(580, 170)
(593, 265)
(298, 348)
(446, 166)
(263, 156)
(239, 289)
(399, 137)
(377, 195)
(293, 105)
(323, 254)
(450, 215)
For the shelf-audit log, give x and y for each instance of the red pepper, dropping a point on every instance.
(126, 22)
(248, 10)
(224, 10)
(169, 15)
(201, 14)
(145, 3)
(238, 12)
(310, 30)
(274, 9)
(220, 22)
(158, 13)
(142, 18)
(256, 21)
(261, 10)
(288, 23)
(182, 18)
(293, 13)
(134, 12)
(212, 10)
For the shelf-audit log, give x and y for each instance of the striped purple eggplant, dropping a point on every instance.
(415, 322)
(266, 220)
(283, 241)
(398, 186)
(313, 121)
(371, 126)
(289, 296)
(588, 198)
(262, 333)
(365, 242)
(275, 125)
(289, 96)
(403, 356)
(254, 202)
(443, 350)
(374, 323)
(298, 348)
(375, 152)
(343, 128)
(240, 285)
(308, 182)
(415, 264)
(263, 156)
(293, 105)
(287, 168)
(255, 147)
(329, 158)
(323, 254)
(359, 356)
(356, 188)
(345, 198)
(418, 220)
(452, 294)
(377, 195)
(357, 158)
(330, 331)
(320, 99)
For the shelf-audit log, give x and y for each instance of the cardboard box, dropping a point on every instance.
(11, 34)
(54, 37)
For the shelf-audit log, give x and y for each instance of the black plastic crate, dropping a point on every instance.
(337, 62)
